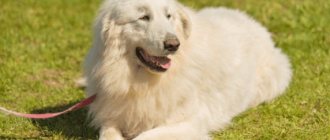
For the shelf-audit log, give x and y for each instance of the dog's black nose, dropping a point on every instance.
(171, 45)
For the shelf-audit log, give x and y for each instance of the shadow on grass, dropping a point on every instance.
(73, 125)
(15, 138)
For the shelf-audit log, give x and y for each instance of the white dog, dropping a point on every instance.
(162, 71)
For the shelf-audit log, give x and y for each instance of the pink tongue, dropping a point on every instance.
(166, 65)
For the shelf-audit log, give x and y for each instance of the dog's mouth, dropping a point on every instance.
(156, 63)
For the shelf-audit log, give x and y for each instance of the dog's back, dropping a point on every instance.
(241, 66)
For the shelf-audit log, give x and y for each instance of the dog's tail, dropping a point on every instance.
(274, 77)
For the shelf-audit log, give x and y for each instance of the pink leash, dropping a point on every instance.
(77, 106)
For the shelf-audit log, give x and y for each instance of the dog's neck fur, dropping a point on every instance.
(126, 92)
(123, 81)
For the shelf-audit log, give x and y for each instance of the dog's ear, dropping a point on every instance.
(184, 20)
(110, 30)
(108, 35)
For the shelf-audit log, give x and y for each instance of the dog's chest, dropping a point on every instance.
(136, 115)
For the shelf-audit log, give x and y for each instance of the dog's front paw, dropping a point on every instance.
(145, 138)
(153, 136)
(110, 134)
(148, 136)
(109, 137)
(171, 136)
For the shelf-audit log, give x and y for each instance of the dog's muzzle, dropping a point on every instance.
(171, 45)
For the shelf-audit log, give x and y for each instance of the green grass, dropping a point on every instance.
(43, 42)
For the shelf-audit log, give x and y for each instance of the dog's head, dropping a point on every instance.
(147, 32)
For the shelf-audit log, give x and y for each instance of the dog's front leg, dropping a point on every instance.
(110, 133)
(179, 131)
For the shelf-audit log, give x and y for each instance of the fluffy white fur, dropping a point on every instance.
(226, 63)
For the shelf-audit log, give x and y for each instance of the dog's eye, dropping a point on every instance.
(168, 16)
(145, 18)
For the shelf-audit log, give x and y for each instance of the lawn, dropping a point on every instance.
(43, 42)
